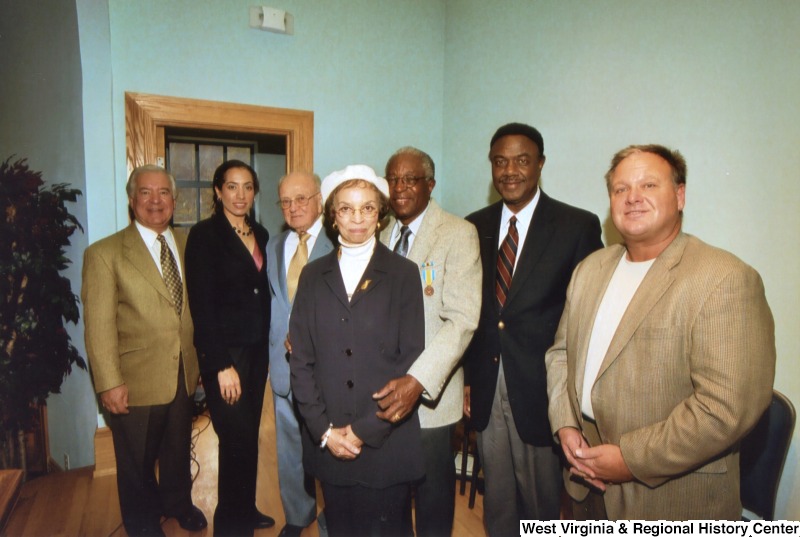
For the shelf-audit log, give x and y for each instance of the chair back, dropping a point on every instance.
(763, 452)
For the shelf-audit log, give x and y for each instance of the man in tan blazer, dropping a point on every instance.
(139, 343)
(663, 360)
(445, 248)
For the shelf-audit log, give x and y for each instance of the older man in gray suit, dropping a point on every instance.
(287, 254)
(445, 248)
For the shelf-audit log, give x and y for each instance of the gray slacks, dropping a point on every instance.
(522, 482)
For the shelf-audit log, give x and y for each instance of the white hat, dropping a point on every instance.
(354, 171)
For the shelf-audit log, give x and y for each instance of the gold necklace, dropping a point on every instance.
(241, 231)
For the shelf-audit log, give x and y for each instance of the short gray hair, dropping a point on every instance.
(314, 176)
(427, 161)
(130, 188)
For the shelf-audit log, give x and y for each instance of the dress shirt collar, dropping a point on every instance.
(414, 226)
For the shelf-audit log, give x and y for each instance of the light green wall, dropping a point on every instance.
(372, 72)
(719, 80)
(41, 120)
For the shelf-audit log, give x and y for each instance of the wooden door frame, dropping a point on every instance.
(145, 119)
(146, 116)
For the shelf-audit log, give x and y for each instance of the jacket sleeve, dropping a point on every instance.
(302, 360)
(559, 408)
(460, 311)
(100, 299)
(732, 361)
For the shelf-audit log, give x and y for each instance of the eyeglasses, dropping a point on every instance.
(366, 211)
(409, 181)
(300, 201)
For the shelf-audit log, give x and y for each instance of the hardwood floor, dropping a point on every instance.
(75, 504)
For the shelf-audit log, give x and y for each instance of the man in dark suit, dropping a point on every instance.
(144, 365)
(287, 253)
(530, 243)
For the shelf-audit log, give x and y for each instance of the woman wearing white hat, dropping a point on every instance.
(357, 322)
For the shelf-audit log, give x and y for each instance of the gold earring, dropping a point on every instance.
(379, 225)
(335, 226)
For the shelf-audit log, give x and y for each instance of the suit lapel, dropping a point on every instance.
(588, 313)
(426, 235)
(374, 273)
(539, 234)
(136, 252)
(489, 239)
(658, 279)
(233, 244)
(322, 246)
(180, 240)
(333, 279)
(280, 263)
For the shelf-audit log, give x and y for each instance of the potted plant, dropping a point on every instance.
(36, 352)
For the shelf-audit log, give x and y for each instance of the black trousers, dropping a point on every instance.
(435, 495)
(237, 427)
(148, 434)
(358, 511)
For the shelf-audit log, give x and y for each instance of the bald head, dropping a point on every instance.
(300, 200)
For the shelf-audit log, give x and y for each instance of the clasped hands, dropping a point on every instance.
(396, 400)
(343, 443)
(599, 466)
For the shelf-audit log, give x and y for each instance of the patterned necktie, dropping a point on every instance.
(171, 275)
(505, 262)
(401, 246)
(299, 260)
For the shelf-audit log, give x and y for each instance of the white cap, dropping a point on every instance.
(354, 171)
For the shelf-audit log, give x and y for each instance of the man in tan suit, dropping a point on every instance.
(663, 360)
(139, 343)
(445, 248)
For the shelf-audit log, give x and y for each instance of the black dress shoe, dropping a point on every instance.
(262, 521)
(291, 531)
(192, 520)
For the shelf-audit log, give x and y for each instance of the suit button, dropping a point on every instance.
(501, 325)
(349, 383)
(348, 352)
(345, 319)
(495, 359)
(255, 291)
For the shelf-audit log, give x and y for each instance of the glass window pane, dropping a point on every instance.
(186, 206)
(181, 161)
(206, 198)
(210, 157)
(239, 153)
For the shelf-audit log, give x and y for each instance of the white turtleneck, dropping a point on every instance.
(353, 262)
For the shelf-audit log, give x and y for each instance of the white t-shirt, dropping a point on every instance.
(623, 285)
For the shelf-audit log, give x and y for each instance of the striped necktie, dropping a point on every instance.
(506, 257)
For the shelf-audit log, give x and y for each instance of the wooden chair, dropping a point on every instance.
(469, 450)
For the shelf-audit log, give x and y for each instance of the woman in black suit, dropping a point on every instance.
(229, 300)
(357, 322)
